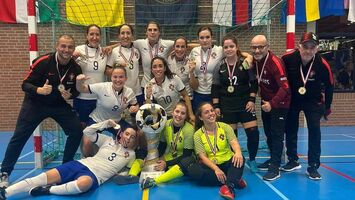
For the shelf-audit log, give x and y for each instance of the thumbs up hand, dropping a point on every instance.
(46, 89)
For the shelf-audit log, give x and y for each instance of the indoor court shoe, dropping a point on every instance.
(227, 192)
(241, 184)
(253, 166)
(273, 173)
(313, 174)
(2, 193)
(4, 179)
(290, 166)
(125, 179)
(148, 183)
(40, 190)
(264, 166)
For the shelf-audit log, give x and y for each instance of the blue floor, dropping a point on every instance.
(337, 169)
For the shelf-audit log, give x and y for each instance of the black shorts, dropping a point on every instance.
(235, 117)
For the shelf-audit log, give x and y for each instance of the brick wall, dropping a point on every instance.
(14, 61)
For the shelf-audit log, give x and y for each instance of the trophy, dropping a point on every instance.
(151, 119)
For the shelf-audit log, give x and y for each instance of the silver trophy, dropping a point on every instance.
(151, 119)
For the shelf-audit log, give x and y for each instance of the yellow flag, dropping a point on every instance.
(312, 10)
(104, 13)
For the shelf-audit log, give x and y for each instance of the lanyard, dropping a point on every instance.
(129, 61)
(120, 101)
(204, 64)
(175, 140)
(151, 50)
(304, 80)
(214, 147)
(61, 78)
(262, 69)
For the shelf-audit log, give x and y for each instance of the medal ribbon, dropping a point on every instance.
(262, 69)
(204, 64)
(129, 61)
(174, 142)
(120, 101)
(151, 50)
(304, 80)
(61, 78)
(229, 71)
(214, 147)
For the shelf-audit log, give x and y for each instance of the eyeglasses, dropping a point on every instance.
(260, 47)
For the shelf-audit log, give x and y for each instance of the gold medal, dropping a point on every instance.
(61, 87)
(302, 90)
(230, 89)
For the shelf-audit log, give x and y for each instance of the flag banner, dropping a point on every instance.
(239, 12)
(15, 11)
(166, 12)
(312, 10)
(104, 13)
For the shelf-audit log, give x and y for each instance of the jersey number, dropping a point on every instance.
(115, 108)
(96, 65)
(112, 157)
(233, 80)
(167, 99)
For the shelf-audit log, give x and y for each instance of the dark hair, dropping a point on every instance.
(152, 22)
(120, 67)
(204, 28)
(198, 121)
(88, 29)
(129, 26)
(235, 41)
(167, 72)
(181, 37)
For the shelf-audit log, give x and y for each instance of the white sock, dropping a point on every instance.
(66, 189)
(26, 185)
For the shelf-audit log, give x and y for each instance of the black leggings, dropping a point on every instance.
(204, 175)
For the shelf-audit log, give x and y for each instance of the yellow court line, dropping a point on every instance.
(145, 195)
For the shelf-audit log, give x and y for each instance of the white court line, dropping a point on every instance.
(270, 186)
(348, 135)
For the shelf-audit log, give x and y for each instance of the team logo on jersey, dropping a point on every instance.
(180, 139)
(171, 87)
(312, 73)
(182, 70)
(126, 154)
(221, 137)
(125, 99)
(161, 49)
(71, 77)
(214, 55)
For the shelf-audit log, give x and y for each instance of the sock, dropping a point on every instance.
(253, 141)
(66, 189)
(173, 173)
(136, 167)
(26, 185)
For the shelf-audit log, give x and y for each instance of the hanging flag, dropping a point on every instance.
(15, 11)
(312, 10)
(169, 12)
(104, 13)
(238, 12)
(351, 15)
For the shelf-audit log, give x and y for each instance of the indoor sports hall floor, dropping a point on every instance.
(337, 170)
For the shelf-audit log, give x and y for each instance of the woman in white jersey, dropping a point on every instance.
(80, 176)
(93, 64)
(178, 63)
(112, 99)
(127, 56)
(151, 47)
(166, 88)
(202, 62)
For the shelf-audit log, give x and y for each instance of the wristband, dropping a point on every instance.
(252, 99)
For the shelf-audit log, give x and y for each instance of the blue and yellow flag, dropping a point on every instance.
(104, 13)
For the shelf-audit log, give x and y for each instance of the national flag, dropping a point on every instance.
(312, 10)
(15, 11)
(104, 13)
(238, 12)
(168, 12)
(351, 15)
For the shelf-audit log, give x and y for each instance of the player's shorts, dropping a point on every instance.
(235, 117)
(72, 170)
(84, 107)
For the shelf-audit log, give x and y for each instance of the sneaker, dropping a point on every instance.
(313, 173)
(241, 184)
(40, 190)
(124, 180)
(253, 166)
(4, 179)
(2, 193)
(227, 192)
(273, 173)
(265, 165)
(148, 183)
(290, 166)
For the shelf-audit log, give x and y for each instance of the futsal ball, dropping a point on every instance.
(151, 118)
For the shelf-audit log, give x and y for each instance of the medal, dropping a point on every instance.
(117, 127)
(214, 146)
(302, 90)
(230, 89)
(61, 87)
(175, 141)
